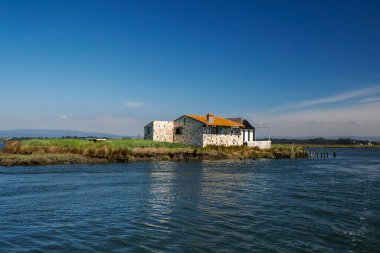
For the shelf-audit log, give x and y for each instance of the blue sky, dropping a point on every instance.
(302, 67)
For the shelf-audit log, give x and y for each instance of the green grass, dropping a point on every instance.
(114, 144)
(57, 151)
(288, 147)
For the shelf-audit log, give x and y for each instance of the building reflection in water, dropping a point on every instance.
(187, 201)
(173, 184)
(187, 186)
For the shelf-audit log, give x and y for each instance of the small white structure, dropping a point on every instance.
(248, 135)
(159, 131)
(205, 130)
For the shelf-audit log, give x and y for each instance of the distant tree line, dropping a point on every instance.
(323, 141)
(63, 137)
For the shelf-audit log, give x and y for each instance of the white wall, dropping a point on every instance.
(247, 135)
(261, 144)
(163, 131)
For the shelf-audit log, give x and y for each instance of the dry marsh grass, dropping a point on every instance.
(45, 159)
(114, 144)
(129, 150)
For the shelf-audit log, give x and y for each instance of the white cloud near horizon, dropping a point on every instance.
(365, 93)
(370, 99)
(358, 119)
(353, 113)
(133, 104)
(107, 124)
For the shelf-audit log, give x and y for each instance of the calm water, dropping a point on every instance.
(330, 205)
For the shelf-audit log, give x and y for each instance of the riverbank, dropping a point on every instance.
(68, 151)
(339, 146)
(45, 159)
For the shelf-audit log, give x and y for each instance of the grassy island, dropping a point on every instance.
(64, 151)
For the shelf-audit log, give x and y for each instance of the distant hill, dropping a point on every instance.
(323, 141)
(49, 133)
(361, 138)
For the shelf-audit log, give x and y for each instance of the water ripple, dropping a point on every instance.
(224, 206)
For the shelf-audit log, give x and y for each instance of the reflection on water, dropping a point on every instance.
(262, 205)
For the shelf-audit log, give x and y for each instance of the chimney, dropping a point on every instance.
(210, 118)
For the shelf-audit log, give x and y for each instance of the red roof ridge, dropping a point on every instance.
(217, 121)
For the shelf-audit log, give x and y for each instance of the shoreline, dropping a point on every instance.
(69, 151)
(11, 160)
(8, 160)
(16, 153)
(341, 146)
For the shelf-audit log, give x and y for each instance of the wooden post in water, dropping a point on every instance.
(334, 153)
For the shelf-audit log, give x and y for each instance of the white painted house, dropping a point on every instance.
(205, 130)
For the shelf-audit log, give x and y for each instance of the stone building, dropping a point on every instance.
(247, 133)
(195, 130)
(159, 131)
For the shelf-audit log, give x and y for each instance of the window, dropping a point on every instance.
(184, 121)
(179, 130)
(243, 135)
(249, 135)
(213, 130)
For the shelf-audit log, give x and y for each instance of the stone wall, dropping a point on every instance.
(159, 131)
(188, 131)
(195, 133)
(232, 139)
(148, 131)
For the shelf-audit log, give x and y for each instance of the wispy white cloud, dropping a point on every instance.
(354, 119)
(370, 99)
(63, 117)
(133, 104)
(357, 94)
(355, 113)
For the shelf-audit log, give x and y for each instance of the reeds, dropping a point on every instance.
(44, 159)
(129, 150)
(115, 144)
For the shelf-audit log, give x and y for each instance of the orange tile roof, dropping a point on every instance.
(218, 121)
